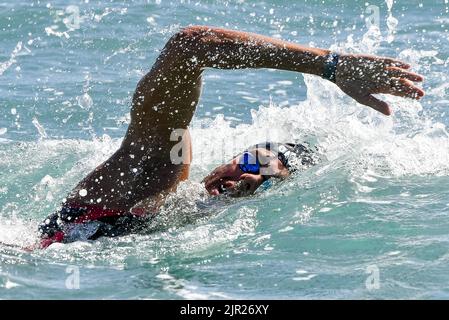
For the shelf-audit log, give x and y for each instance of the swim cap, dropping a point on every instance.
(292, 155)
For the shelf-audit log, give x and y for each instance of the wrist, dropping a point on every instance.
(330, 66)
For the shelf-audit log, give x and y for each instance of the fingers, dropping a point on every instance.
(396, 63)
(398, 87)
(378, 75)
(405, 88)
(384, 60)
(397, 72)
(376, 104)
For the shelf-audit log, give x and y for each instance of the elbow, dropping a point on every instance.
(187, 43)
(188, 38)
(185, 35)
(192, 33)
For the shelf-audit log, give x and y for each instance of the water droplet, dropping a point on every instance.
(85, 101)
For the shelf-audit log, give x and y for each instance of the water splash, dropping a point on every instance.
(39, 128)
(392, 22)
(19, 49)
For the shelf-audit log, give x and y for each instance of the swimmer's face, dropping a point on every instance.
(229, 178)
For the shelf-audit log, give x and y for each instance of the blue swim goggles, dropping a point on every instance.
(250, 163)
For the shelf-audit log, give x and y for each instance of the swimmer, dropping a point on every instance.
(126, 190)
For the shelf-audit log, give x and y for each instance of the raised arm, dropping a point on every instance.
(167, 96)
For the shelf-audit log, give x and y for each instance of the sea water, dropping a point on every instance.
(370, 221)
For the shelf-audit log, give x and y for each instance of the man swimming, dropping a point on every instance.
(123, 192)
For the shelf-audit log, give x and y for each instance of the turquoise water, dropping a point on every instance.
(370, 221)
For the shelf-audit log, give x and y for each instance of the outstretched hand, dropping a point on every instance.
(361, 76)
